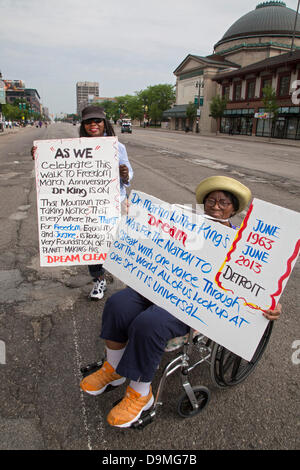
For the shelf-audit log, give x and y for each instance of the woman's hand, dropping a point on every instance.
(124, 173)
(33, 151)
(273, 314)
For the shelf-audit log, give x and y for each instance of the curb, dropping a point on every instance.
(12, 131)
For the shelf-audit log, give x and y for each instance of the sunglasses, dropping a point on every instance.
(96, 120)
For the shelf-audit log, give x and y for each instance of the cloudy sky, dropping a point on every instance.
(124, 45)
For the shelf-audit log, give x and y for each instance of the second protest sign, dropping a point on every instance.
(172, 257)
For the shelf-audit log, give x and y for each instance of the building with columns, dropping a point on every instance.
(268, 32)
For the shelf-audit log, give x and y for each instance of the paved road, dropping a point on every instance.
(242, 152)
(50, 329)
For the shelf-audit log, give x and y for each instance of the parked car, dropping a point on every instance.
(126, 127)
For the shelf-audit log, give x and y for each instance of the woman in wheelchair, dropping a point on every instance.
(136, 331)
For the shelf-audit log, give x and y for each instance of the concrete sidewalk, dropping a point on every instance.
(14, 130)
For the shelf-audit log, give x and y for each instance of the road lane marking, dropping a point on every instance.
(207, 163)
(78, 378)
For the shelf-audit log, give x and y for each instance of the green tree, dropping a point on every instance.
(191, 113)
(157, 98)
(217, 108)
(155, 113)
(111, 109)
(270, 105)
(135, 108)
(11, 112)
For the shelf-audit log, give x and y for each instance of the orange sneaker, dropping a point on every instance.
(96, 383)
(130, 408)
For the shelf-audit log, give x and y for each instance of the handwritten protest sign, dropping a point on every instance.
(172, 257)
(78, 199)
(262, 255)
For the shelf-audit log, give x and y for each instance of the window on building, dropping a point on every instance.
(265, 81)
(225, 91)
(284, 85)
(237, 93)
(250, 91)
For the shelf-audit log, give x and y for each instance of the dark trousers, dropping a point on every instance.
(146, 328)
(96, 270)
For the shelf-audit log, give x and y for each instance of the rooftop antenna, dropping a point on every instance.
(293, 40)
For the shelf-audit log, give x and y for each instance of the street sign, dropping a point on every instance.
(196, 100)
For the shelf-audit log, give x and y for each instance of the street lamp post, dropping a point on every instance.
(296, 16)
(199, 85)
(145, 114)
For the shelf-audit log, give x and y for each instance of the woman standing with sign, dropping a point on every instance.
(136, 331)
(94, 123)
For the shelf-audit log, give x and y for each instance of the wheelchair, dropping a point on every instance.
(226, 370)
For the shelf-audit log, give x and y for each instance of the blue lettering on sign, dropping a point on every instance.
(262, 227)
(137, 226)
(256, 253)
(108, 220)
(226, 299)
(159, 265)
(145, 250)
(135, 199)
(66, 228)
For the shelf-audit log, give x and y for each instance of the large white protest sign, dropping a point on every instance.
(78, 199)
(172, 257)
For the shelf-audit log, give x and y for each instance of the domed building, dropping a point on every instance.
(261, 48)
(260, 34)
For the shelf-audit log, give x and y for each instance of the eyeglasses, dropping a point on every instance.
(96, 120)
(221, 202)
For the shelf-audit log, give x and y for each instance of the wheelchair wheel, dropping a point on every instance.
(227, 369)
(184, 406)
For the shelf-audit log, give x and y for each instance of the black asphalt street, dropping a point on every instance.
(50, 329)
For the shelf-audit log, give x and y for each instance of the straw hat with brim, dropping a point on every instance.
(92, 112)
(224, 183)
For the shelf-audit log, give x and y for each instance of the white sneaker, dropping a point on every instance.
(98, 290)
